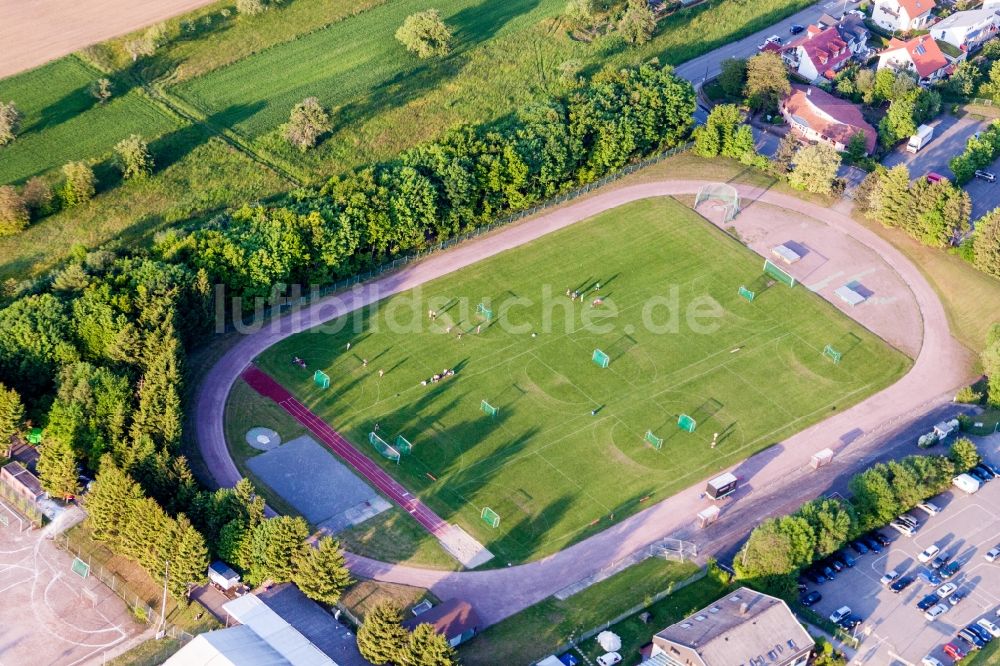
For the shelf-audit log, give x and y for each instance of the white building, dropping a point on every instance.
(968, 30)
(921, 56)
(903, 15)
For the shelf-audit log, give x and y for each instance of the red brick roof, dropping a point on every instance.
(824, 47)
(831, 116)
(916, 8)
(923, 51)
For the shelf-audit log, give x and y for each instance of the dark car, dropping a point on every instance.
(827, 571)
(859, 547)
(849, 622)
(815, 576)
(872, 543)
(834, 563)
(979, 474)
(971, 639)
(846, 558)
(950, 569)
(957, 596)
(810, 599)
(930, 577)
(901, 584)
(986, 470)
(928, 601)
(883, 540)
(939, 562)
(981, 632)
(796, 29)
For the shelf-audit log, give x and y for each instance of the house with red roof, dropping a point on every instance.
(819, 52)
(816, 115)
(903, 15)
(921, 56)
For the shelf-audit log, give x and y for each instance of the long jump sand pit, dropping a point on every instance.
(50, 615)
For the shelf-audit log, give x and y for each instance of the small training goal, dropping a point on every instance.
(721, 196)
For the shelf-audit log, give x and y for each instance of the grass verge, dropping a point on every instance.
(365, 594)
(148, 653)
(392, 536)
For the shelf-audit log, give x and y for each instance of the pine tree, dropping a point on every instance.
(891, 200)
(159, 410)
(188, 557)
(11, 414)
(785, 154)
(233, 544)
(274, 543)
(321, 572)
(146, 535)
(426, 647)
(57, 468)
(249, 502)
(986, 243)
(381, 637)
(109, 502)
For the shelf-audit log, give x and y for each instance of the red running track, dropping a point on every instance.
(264, 384)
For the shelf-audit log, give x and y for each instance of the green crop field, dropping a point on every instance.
(355, 60)
(63, 122)
(554, 471)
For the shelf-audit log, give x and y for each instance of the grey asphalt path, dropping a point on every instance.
(705, 67)
(775, 479)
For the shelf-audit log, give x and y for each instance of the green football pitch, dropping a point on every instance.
(753, 372)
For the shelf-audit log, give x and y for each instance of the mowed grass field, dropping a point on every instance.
(552, 470)
(62, 122)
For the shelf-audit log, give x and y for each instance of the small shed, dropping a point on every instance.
(708, 516)
(820, 458)
(850, 295)
(223, 576)
(23, 482)
(454, 619)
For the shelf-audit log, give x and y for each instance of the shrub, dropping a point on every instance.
(13, 211)
(80, 183)
(968, 396)
(250, 7)
(133, 157)
(425, 34)
(10, 122)
(101, 90)
(308, 122)
(37, 194)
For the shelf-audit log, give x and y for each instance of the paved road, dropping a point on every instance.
(777, 478)
(707, 66)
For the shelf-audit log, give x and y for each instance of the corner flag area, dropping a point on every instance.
(566, 451)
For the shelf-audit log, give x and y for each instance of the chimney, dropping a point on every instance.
(744, 607)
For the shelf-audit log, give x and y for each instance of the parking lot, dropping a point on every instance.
(894, 630)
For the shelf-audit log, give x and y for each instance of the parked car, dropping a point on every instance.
(827, 571)
(934, 612)
(933, 177)
(811, 598)
(987, 470)
(930, 661)
(848, 623)
(946, 589)
(909, 520)
(950, 569)
(930, 508)
(834, 564)
(901, 584)
(939, 562)
(873, 544)
(902, 528)
(929, 553)
(928, 601)
(979, 475)
(984, 635)
(889, 577)
(993, 629)
(881, 539)
(957, 597)
(986, 175)
(609, 659)
(953, 651)
(840, 614)
(815, 576)
(859, 547)
(796, 29)
(972, 640)
(844, 558)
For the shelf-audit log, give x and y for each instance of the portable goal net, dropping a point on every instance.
(720, 195)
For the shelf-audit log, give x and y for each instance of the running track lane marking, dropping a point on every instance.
(265, 385)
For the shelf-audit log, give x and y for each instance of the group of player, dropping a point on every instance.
(575, 294)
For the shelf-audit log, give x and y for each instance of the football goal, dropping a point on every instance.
(832, 354)
(403, 445)
(490, 517)
(686, 423)
(383, 448)
(747, 294)
(720, 195)
(489, 409)
(600, 358)
(484, 312)
(322, 379)
(80, 568)
(778, 274)
(657, 442)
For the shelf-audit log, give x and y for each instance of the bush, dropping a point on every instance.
(80, 184)
(968, 396)
(37, 195)
(133, 157)
(10, 122)
(250, 7)
(425, 34)
(308, 122)
(14, 216)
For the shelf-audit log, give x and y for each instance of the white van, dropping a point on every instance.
(965, 482)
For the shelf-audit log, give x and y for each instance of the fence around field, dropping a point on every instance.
(399, 262)
(143, 610)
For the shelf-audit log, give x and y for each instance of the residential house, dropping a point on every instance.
(816, 115)
(902, 15)
(454, 619)
(921, 56)
(852, 30)
(990, 4)
(967, 31)
(745, 627)
(819, 52)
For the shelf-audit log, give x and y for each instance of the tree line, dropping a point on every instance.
(466, 179)
(780, 547)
